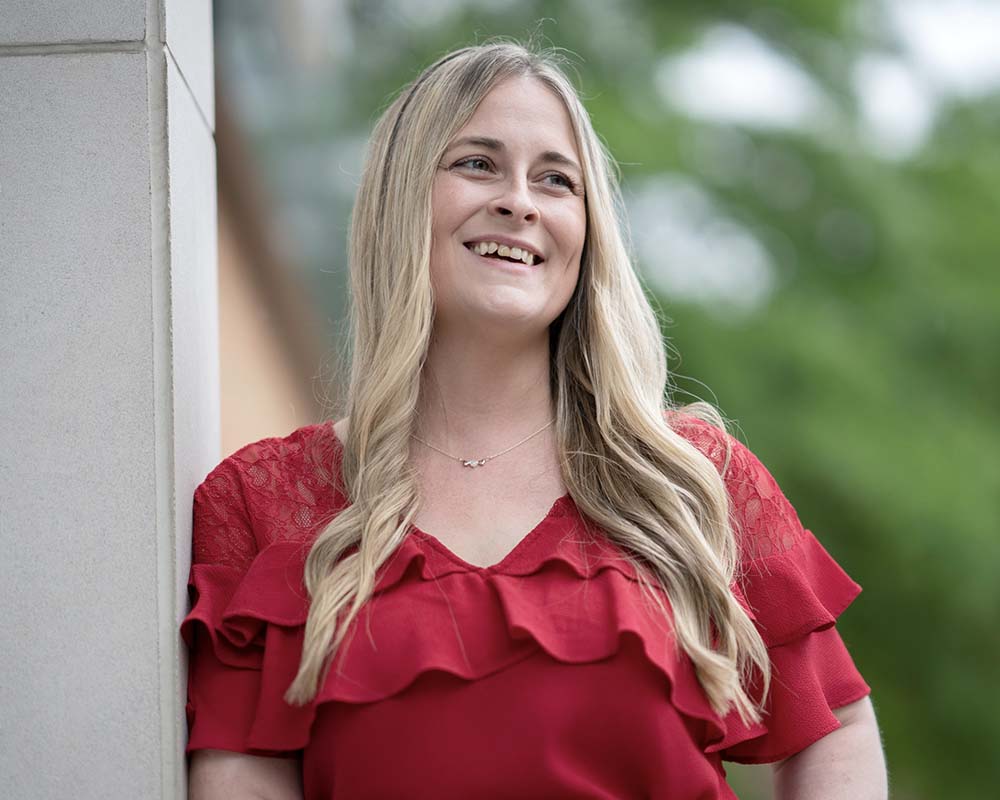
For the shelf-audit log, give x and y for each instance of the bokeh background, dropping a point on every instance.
(813, 193)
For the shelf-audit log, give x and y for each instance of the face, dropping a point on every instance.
(509, 179)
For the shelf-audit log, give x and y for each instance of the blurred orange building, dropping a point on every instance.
(271, 339)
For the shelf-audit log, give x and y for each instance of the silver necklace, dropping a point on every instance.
(478, 462)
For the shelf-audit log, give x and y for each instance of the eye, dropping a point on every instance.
(473, 160)
(567, 181)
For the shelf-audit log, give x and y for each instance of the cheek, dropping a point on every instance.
(573, 233)
(439, 207)
(451, 203)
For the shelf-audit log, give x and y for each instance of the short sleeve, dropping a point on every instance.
(794, 591)
(224, 674)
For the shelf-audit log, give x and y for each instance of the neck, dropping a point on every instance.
(479, 395)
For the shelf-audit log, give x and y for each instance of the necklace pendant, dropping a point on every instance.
(473, 463)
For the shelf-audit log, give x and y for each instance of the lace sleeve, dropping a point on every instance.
(767, 523)
(222, 532)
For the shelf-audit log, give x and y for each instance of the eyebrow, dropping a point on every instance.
(551, 156)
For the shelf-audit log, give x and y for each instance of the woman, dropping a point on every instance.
(371, 618)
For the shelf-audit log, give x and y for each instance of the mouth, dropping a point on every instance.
(500, 252)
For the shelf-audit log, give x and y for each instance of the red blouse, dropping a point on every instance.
(544, 675)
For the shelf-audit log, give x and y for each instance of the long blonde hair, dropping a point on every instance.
(647, 487)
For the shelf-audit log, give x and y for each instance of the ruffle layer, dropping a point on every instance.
(794, 598)
(575, 599)
(793, 593)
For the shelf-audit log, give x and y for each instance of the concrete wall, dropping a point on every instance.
(108, 385)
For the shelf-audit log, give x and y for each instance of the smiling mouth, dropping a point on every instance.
(474, 247)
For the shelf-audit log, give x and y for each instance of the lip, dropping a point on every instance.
(509, 242)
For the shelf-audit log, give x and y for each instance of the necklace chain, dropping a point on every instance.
(478, 462)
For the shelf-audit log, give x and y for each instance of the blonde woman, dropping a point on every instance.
(512, 570)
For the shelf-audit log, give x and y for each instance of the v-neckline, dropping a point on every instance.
(522, 546)
(517, 551)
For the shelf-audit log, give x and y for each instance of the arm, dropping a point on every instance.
(845, 764)
(222, 775)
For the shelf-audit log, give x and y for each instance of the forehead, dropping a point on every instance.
(527, 112)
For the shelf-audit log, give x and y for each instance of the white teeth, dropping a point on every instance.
(517, 253)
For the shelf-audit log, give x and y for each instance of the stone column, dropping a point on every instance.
(108, 385)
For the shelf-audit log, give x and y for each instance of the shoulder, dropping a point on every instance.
(712, 442)
(269, 489)
(766, 521)
(731, 457)
(271, 463)
(285, 455)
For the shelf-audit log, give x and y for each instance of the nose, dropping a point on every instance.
(515, 201)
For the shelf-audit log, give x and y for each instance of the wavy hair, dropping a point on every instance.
(649, 489)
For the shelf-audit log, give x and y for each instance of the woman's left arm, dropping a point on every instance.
(847, 763)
